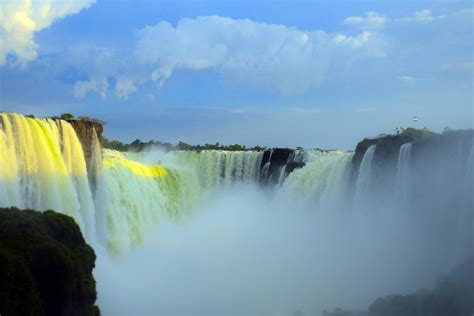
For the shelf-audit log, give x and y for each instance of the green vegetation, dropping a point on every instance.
(83, 118)
(66, 116)
(45, 265)
(415, 133)
(138, 145)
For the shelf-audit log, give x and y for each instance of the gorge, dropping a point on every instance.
(249, 232)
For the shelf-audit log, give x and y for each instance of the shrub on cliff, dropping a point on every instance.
(45, 265)
(415, 133)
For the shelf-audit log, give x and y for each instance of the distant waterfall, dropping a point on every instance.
(42, 167)
(282, 175)
(402, 182)
(217, 167)
(362, 188)
(321, 180)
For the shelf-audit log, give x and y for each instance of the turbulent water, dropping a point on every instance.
(189, 232)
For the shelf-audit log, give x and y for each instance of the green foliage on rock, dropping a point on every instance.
(415, 133)
(137, 145)
(45, 265)
(66, 116)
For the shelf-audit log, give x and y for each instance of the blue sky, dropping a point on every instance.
(277, 73)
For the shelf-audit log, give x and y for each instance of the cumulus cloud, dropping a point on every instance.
(280, 58)
(20, 19)
(99, 85)
(124, 86)
(272, 56)
(424, 15)
(371, 20)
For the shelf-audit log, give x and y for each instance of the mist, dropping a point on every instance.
(249, 250)
(216, 232)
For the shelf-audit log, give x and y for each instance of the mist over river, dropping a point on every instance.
(250, 233)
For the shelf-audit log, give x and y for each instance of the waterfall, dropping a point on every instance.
(217, 167)
(282, 175)
(144, 188)
(321, 177)
(117, 197)
(42, 167)
(140, 195)
(402, 182)
(362, 188)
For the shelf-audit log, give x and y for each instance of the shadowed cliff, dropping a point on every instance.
(453, 296)
(45, 265)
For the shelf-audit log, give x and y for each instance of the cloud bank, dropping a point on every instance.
(21, 19)
(371, 20)
(278, 57)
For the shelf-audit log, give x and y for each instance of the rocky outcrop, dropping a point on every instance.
(388, 147)
(453, 296)
(386, 152)
(45, 265)
(273, 162)
(85, 132)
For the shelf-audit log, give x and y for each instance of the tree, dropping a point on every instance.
(66, 116)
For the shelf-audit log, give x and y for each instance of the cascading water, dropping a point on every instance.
(42, 167)
(139, 195)
(402, 182)
(320, 181)
(362, 187)
(123, 198)
(216, 167)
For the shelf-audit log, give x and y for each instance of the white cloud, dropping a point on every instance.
(124, 86)
(285, 59)
(424, 15)
(99, 85)
(406, 79)
(371, 20)
(272, 56)
(20, 19)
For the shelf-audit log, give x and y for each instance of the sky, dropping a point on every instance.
(276, 73)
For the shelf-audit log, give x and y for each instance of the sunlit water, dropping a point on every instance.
(187, 233)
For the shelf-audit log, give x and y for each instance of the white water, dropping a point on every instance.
(192, 232)
(364, 178)
(402, 182)
(320, 182)
(42, 167)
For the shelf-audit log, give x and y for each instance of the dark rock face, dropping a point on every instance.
(45, 265)
(85, 131)
(450, 150)
(453, 296)
(386, 152)
(274, 160)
